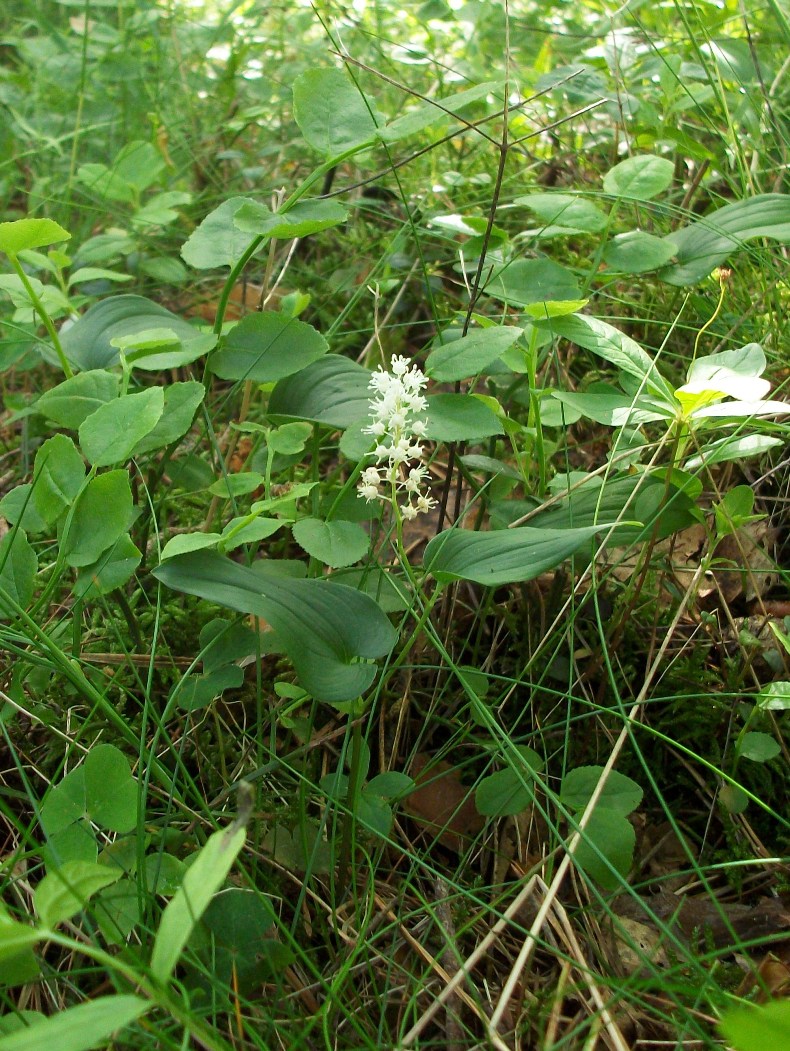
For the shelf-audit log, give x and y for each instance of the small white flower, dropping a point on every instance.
(395, 404)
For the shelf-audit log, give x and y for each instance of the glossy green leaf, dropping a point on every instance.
(217, 241)
(460, 417)
(613, 346)
(332, 391)
(15, 938)
(111, 433)
(180, 405)
(619, 793)
(184, 543)
(75, 399)
(103, 513)
(332, 113)
(471, 354)
(58, 476)
(563, 213)
(19, 508)
(79, 1028)
(88, 342)
(607, 837)
(266, 347)
(533, 281)
(18, 568)
(202, 880)
(732, 448)
(113, 568)
(110, 789)
(22, 234)
(775, 697)
(325, 628)
(154, 349)
(708, 242)
(334, 543)
(639, 178)
(636, 252)
(64, 891)
(613, 409)
(304, 218)
(504, 556)
(248, 530)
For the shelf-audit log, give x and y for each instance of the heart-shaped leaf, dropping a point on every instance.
(266, 347)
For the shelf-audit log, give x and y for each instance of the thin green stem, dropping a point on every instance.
(39, 308)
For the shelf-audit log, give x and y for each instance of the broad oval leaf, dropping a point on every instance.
(301, 220)
(758, 1028)
(332, 113)
(759, 747)
(505, 556)
(58, 476)
(460, 418)
(180, 405)
(619, 792)
(64, 891)
(707, 242)
(112, 569)
(639, 178)
(471, 354)
(426, 115)
(73, 400)
(608, 837)
(88, 342)
(533, 281)
(564, 213)
(266, 347)
(325, 628)
(110, 789)
(22, 234)
(336, 544)
(217, 241)
(333, 391)
(636, 252)
(109, 435)
(102, 515)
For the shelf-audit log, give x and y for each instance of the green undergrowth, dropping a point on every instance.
(393, 611)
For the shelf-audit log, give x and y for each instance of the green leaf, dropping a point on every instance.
(102, 515)
(613, 346)
(619, 793)
(332, 391)
(75, 399)
(304, 218)
(111, 433)
(110, 789)
(533, 281)
(15, 938)
(471, 354)
(636, 252)
(504, 556)
(24, 234)
(88, 342)
(608, 835)
(731, 448)
(112, 569)
(180, 405)
(459, 418)
(389, 785)
(154, 349)
(236, 484)
(186, 542)
(334, 543)
(507, 792)
(266, 347)
(247, 530)
(775, 697)
(201, 882)
(639, 178)
(325, 628)
(613, 409)
(290, 439)
(218, 241)
(58, 476)
(332, 113)
(79, 1028)
(18, 568)
(708, 242)
(564, 214)
(758, 1028)
(64, 891)
(18, 508)
(433, 112)
(759, 747)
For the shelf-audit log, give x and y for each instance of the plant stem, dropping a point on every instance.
(38, 306)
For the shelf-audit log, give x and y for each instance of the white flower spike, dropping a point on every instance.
(397, 401)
